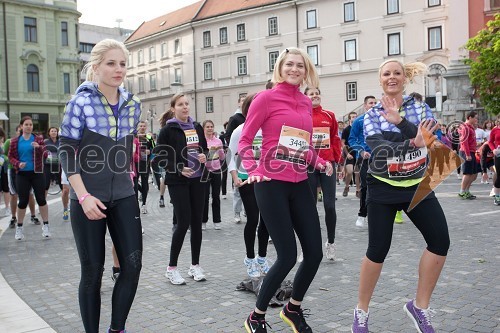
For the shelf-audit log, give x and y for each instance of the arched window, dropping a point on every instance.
(33, 78)
(435, 82)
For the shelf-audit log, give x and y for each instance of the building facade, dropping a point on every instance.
(39, 60)
(224, 50)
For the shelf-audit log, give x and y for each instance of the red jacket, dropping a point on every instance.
(326, 119)
(37, 159)
(494, 140)
(467, 139)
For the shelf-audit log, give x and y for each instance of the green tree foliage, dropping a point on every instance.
(485, 64)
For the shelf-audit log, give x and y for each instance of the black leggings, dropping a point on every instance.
(25, 180)
(188, 200)
(214, 180)
(497, 170)
(289, 209)
(124, 224)
(328, 187)
(247, 194)
(143, 173)
(427, 216)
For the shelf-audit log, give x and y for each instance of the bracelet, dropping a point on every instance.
(83, 197)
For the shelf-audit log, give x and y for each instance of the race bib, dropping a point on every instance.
(192, 139)
(321, 138)
(408, 165)
(293, 145)
(257, 147)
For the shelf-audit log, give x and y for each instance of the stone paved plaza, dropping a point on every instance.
(45, 273)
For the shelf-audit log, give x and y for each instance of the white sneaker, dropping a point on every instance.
(19, 233)
(144, 210)
(196, 272)
(45, 230)
(217, 226)
(492, 193)
(204, 226)
(174, 276)
(330, 251)
(237, 218)
(360, 222)
(224, 197)
(301, 257)
(252, 267)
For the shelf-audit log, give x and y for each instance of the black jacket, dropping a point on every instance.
(234, 121)
(171, 153)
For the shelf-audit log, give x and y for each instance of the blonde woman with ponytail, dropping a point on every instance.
(398, 131)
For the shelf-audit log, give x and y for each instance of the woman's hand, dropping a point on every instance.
(256, 179)
(187, 172)
(391, 110)
(22, 165)
(425, 135)
(328, 168)
(202, 158)
(35, 144)
(237, 181)
(92, 207)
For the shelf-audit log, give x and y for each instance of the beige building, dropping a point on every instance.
(216, 51)
(39, 60)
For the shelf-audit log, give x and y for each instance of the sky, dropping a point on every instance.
(131, 12)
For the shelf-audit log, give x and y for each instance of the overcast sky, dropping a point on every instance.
(131, 12)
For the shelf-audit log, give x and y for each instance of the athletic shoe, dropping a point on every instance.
(174, 276)
(144, 210)
(217, 226)
(360, 322)
(399, 217)
(346, 191)
(330, 251)
(19, 233)
(469, 196)
(256, 325)
(12, 223)
(224, 197)
(496, 202)
(35, 220)
(45, 231)
(196, 272)
(237, 218)
(263, 264)
(421, 317)
(252, 267)
(161, 203)
(123, 331)
(204, 226)
(295, 319)
(360, 222)
(492, 192)
(65, 215)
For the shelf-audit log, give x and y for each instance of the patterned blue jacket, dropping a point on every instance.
(97, 144)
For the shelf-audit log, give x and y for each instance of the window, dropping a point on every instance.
(273, 26)
(207, 71)
(494, 4)
(64, 34)
(177, 46)
(140, 58)
(313, 53)
(30, 29)
(392, 7)
(177, 75)
(141, 84)
(351, 91)
(223, 35)
(311, 19)
(86, 47)
(393, 44)
(433, 3)
(209, 104)
(350, 50)
(207, 40)
(164, 53)
(273, 56)
(349, 12)
(434, 38)
(33, 78)
(152, 81)
(66, 83)
(130, 60)
(240, 32)
(152, 54)
(242, 65)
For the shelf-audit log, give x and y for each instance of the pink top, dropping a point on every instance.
(270, 110)
(215, 153)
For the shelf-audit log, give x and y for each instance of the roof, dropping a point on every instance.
(166, 21)
(198, 11)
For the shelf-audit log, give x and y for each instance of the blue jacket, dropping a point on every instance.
(356, 137)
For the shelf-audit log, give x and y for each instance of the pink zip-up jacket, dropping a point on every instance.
(286, 105)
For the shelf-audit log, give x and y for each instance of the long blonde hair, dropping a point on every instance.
(97, 55)
(311, 78)
(411, 69)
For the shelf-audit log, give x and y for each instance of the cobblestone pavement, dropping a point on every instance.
(45, 274)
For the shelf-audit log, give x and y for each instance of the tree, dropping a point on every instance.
(485, 64)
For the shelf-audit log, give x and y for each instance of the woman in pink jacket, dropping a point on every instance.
(285, 200)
